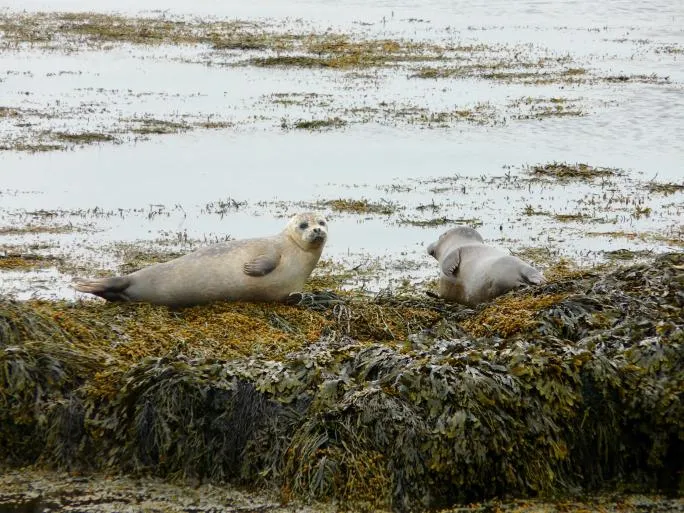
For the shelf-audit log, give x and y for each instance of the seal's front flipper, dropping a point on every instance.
(261, 265)
(111, 289)
(451, 262)
(531, 276)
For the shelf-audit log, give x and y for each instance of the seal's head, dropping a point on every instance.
(454, 238)
(308, 230)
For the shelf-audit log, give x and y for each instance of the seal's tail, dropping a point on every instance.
(111, 289)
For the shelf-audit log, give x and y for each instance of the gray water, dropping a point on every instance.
(161, 186)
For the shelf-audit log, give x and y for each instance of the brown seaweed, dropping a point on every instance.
(396, 401)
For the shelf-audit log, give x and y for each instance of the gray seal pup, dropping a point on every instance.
(472, 272)
(258, 269)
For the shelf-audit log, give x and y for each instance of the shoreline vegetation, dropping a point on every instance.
(395, 401)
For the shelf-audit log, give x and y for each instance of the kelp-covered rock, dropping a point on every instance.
(400, 401)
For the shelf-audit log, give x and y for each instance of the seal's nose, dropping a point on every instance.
(317, 230)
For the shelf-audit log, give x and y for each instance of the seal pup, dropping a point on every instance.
(472, 273)
(258, 269)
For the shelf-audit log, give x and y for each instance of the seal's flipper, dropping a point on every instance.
(111, 289)
(451, 262)
(261, 265)
(531, 276)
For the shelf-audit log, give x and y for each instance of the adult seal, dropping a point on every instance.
(258, 269)
(472, 272)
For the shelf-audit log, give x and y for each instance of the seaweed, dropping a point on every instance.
(564, 171)
(315, 124)
(362, 206)
(398, 401)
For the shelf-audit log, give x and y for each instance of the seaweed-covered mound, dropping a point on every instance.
(396, 401)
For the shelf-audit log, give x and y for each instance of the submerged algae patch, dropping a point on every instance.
(352, 54)
(318, 49)
(674, 238)
(82, 137)
(91, 27)
(664, 188)
(26, 261)
(542, 108)
(314, 124)
(302, 49)
(353, 58)
(439, 221)
(361, 206)
(30, 147)
(34, 138)
(146, 126)
(566, 171)
(39, 228)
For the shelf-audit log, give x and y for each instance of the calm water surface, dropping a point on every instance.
(162, 186)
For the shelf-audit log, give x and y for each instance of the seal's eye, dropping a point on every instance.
(322, 223)
(303, 226)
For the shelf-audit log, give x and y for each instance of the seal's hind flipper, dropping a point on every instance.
(111, 289)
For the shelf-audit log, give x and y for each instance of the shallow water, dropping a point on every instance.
(158, 188)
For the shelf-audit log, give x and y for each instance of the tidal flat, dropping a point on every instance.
(385, 123)
(141, 131)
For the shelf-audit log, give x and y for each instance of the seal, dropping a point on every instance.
(258, 269)
(472, 272)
